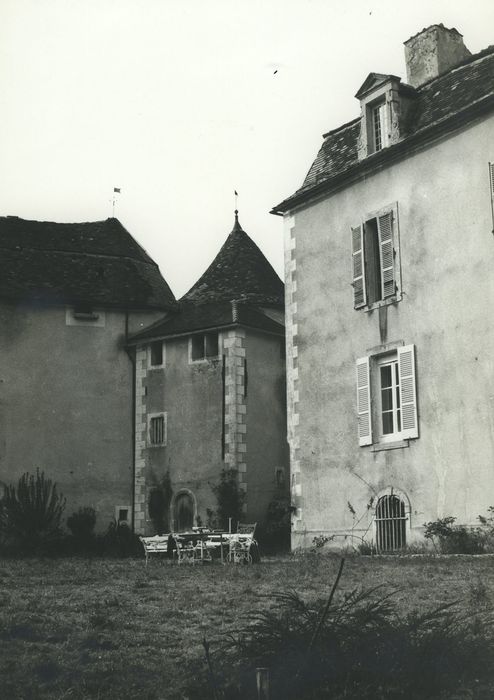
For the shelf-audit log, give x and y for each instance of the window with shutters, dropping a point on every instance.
(387, 397)
(376, 260)
(157, 429)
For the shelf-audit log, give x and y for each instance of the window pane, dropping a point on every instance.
(211, 345)
(157, 353)
(387, 423)
(386, 380)
(387, 399)
(198, 347)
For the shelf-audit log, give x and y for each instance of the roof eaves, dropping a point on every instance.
(377, 160)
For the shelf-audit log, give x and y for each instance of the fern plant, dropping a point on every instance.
(31, 511)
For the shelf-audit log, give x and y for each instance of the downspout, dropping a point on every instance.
(132, 357)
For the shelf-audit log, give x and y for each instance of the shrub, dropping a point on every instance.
(230, 499)
(82, 523)
(31, 513)
(159, 504)
(358, 646)
(276, 532)
(455, 539)
(120, 541)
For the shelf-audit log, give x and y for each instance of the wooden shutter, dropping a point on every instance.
(364, 402)
(491, 181)
(359, 291)
(408, 392)
(385, 232)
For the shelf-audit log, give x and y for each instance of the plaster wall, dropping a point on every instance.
(447, 258)
(267, 447)
(191, 396)
(66, 404)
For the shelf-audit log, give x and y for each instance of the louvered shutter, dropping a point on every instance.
(359, 292)
(364, 402)
(408, 393)
(385, 232)
(491, 180)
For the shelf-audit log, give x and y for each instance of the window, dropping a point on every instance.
(390, 523)
(157, 429)
(203, 346)
(156, 354)
(279, 474)
(386, 397)
(376, 264)
(122, 515)
(379, 124)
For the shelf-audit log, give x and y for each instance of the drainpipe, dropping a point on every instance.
(131, 353)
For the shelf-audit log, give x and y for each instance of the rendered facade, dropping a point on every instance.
(389, 282)
(70, 294)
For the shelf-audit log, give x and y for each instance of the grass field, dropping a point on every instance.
(75, 628)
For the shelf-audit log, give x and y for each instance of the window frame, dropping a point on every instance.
(388, 245)
(150, 355)
(205, 357)
(369, 396)
(150, 418)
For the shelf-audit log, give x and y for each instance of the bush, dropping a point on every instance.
(31, 514)
(357, 647)
(230, 499)
(275, 535)
(82, 523)
(119, 541)
(455, 539)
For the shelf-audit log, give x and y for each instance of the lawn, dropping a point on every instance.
(103, 628)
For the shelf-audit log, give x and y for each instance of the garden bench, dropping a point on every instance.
(158, 544)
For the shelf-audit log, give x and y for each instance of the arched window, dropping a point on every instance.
(183, 511)
(391, 523)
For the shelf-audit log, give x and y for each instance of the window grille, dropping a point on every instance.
(157, 430)
(390, 524)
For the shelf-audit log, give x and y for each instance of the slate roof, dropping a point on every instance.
(239, 271)
(209, 316)
(458, 95)
(96, 263)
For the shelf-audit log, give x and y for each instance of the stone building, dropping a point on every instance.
(390, 285)
(210, 394)
(70, 295)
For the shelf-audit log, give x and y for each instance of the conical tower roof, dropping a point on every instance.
(240, 271)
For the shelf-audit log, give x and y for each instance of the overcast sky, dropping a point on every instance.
(180, 102)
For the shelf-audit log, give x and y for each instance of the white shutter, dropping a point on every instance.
(364, 402)
(408, 392)
(359, 292)
(385, 232)
(491, 180)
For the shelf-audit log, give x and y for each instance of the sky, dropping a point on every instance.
(181, 102)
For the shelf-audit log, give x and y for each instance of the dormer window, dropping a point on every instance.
(384, 103)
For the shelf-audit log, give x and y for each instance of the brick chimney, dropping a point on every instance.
(433, 51)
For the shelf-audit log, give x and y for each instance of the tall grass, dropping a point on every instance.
(364, 649)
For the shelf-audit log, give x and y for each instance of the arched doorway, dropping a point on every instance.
(391, 523)
(183, 511)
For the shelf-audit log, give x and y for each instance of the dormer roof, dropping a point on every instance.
(373, 81)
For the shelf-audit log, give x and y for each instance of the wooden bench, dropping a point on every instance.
(158, 544)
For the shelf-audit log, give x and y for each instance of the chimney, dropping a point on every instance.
(433, 51)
